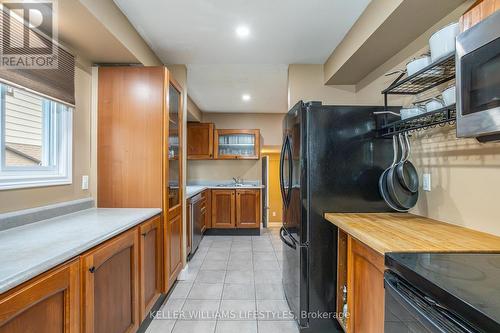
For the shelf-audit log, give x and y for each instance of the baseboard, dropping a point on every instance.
(232, 232)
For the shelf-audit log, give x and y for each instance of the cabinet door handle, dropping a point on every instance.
(92, 269)
(144, 234)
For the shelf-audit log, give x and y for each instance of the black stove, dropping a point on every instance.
(442, 292)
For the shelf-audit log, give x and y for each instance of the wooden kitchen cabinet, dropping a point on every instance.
(365, 288)
(207, 195)
(200, 141)
(173, 250)
(140, 108)
(189, 236)
(46, 304)
(236, 144)
(150, 265)
(223, 209)
(111, 286)
(248, 208)
(480, 10)
(236, 208)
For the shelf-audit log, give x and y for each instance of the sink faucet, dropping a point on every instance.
(237, 180)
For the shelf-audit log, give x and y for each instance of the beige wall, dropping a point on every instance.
(270, 124)
(223, 170)
(117, 23)
(305, 82)
(193, 111)
(465, 174)
(11, 200)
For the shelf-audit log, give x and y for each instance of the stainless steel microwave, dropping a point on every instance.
(478, 80)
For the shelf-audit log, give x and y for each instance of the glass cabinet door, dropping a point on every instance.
(237, 144)
(173, 147)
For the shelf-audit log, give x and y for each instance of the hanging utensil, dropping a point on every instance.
(382, 182)
(400, 195)
(407, 173)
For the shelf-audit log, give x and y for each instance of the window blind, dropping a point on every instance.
(33, 61)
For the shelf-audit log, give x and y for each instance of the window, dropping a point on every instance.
(35, 140)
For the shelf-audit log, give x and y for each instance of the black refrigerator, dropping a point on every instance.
(331, 161)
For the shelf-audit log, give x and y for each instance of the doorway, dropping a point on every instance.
(274, 208)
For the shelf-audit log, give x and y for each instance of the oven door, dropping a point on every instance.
(478, 79)
(409, 311)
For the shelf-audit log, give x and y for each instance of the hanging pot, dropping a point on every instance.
(407, 173)
(382, 182)
(399, 194)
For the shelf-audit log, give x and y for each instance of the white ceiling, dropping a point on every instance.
(221, 67)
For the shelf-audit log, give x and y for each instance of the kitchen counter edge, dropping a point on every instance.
(41, 256)
(404, 232)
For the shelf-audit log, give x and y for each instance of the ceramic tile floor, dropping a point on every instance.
(233, 285)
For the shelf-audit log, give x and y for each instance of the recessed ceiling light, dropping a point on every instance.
(242, 31)
(245, 97)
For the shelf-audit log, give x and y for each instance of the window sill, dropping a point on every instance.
(31, 183)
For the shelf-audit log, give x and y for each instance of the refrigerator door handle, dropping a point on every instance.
(282, 162)
(282, 236)
(285, 195)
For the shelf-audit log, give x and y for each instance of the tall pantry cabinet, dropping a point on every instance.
(139, 151)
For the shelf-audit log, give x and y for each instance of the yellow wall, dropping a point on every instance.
(275, 203)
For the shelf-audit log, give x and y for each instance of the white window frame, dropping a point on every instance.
(61, 142)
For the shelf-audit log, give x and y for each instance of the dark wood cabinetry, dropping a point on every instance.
(150, 259)
(111, 286)
(200, 141)
(236, 208)
(248, 211)
(48, 303)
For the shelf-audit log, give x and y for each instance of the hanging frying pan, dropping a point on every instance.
(399, 195)
(407, 174)
(382, 182)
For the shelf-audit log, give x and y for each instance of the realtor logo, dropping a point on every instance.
(28, 30)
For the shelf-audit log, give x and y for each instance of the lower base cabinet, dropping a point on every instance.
(108, 289)
(111, 286)
(236, 209)
(150, 259)
(172, 234)
(48, 303)
(361, 269)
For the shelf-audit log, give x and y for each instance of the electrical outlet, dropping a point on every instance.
(427, 185)
(274, 213)
(85, 182)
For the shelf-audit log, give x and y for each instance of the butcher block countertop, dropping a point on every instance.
(401, 232)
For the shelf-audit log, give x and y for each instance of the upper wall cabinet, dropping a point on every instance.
(480, 10)
(233, 144)
(200, 141)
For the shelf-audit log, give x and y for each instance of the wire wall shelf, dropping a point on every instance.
(438, 118)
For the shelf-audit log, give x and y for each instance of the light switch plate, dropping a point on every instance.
(426, 182)
(85, 182)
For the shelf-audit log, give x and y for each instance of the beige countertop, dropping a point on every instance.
(401, 232)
